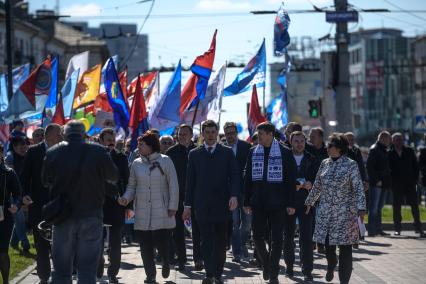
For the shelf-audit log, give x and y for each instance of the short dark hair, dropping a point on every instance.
(186, 126)
(267, 127)
(296, 133)
(294, 126)
(151, 139)
(319, 130)
(229, 124)
(209, 123)
(339, 141)
(51, 127)
(17, 122)
(106, 131)
(17, 140)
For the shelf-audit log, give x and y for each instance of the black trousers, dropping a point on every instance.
(410, 194)
(179, 239)
(275, 220)
(305, 239)
(345, 260)
(148, 240)
(213, 246)
(196, 240)
(42, 247)
(115, 233)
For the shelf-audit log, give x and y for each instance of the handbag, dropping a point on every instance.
(59, 209)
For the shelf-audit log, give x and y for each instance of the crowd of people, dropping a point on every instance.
(223, 192)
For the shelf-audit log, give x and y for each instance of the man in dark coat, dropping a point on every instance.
(80, 171)
(35, 195)
(316, 145)
(114, 213)
(405, 175)
(379, 175)
(307, 167)
(212, 189)
(422, 162)
(179, 155)
(241, 222)
(270, 186)
(355, 154)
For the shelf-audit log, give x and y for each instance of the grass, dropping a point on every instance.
(20, 261)
(387, 214)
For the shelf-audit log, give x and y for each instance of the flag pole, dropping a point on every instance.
(264, 104)
(195, 113)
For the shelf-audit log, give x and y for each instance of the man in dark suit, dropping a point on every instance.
(212, 189)
(35, 195)
(241, 222)
(270, 187)
(113, 212)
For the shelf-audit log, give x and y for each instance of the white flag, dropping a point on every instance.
(81, 61)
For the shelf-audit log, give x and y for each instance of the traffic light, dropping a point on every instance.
(314, 108)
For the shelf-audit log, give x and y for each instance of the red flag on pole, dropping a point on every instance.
(255, 116)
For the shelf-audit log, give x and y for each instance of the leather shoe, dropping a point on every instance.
(383, 233)
(266, 272)
(150, 280)
(397, 233)
(218, 280)
(112, 279)
(165, 271)
(198, 266)
(330, 275)
(422, 234)
(207, 280)
(180, 267)
(274, 281)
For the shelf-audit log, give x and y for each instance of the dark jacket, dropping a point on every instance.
(378, 166)
(271, 196)
(179, 155)
(319, 153)
(422, 165)
(114, 212)
(31, 181)
(212, 178)
(354, 153)
(404, 168)
(307, 170)
(12, 189)
(96, 168)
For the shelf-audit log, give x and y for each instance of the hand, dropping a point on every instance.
(171, 213)
(307, 185)
(247, 210)
(361, 214)
(186, 215)
(13, 209)
(122, 201)
(291, 211)
(308, 208)
(298, 187)
(233, 203)
(379, 184)
(27, 200)
(129, 213)
(365, 186)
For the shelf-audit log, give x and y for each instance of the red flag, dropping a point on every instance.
(138, 109)
(122, 77)
(188, 93)
(255, 116)
(59, 116)
(101, 103)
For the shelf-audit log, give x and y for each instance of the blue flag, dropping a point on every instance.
(19, 75)
(281, 36)
(53, 93)
(4, 101)
(253, 74)
(116, 98)
(68, 92)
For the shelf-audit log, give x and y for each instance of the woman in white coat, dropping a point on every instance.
(153, 187)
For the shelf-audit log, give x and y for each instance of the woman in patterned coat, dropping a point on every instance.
(340, 191)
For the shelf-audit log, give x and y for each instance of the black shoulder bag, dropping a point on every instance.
(59, 208)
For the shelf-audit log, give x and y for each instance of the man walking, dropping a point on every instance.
(212, 189)
(270, 185)
(241, 222)
(316, 145)
(379, 175)
(113, 212)
(35, 195)
(79, 171)
(405, 174)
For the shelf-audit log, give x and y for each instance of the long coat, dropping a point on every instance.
(340, 187)
(155, 190)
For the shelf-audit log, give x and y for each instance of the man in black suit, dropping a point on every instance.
(270, 187)
(212, 189)
(113, 212)
(36, 195)
(241, 222)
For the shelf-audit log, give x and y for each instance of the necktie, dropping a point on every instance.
(210, 149)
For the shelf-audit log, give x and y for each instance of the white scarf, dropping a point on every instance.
(275, 166)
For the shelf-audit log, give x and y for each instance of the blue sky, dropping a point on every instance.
(239, 36)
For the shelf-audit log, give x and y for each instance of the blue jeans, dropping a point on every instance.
(377, 198)
(80, 239)
(241, 226)
(19, 233)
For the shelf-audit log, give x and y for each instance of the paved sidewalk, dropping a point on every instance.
(378, 260)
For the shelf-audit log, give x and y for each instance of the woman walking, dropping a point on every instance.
(154, 188)
(339, 188)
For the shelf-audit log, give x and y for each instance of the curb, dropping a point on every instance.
(23, 274)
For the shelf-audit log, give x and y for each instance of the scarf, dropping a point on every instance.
(275, 166)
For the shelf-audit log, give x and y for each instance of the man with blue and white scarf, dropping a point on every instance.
(270, 186)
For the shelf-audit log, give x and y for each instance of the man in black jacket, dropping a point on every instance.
(270, 186)
(355, 154)
(113, 212)
(405, 174)
(241, 222)
(212, 189)
(80, 171)
(422, 163)
(316, 145)
(35, 195)
(379, 175)
(307, 167)
(179, 155)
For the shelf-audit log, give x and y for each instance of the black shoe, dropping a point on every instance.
(100, 271)
(165, 271)
(397, 233)
(266, 272)
(113, 279)
(150, 280)
(218, 280)
(289, 272)
(274, 281)
(308, 277)
(236, 260)
(199, 266)
(180, 267)
(321, 248)
(422, 234)
(43, 282)
(355, 246)
(330, 275)
(383, 234)
(207, 280)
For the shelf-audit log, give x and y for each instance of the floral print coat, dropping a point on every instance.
(339, 188)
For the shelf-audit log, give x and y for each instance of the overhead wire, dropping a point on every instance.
(403, 10)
